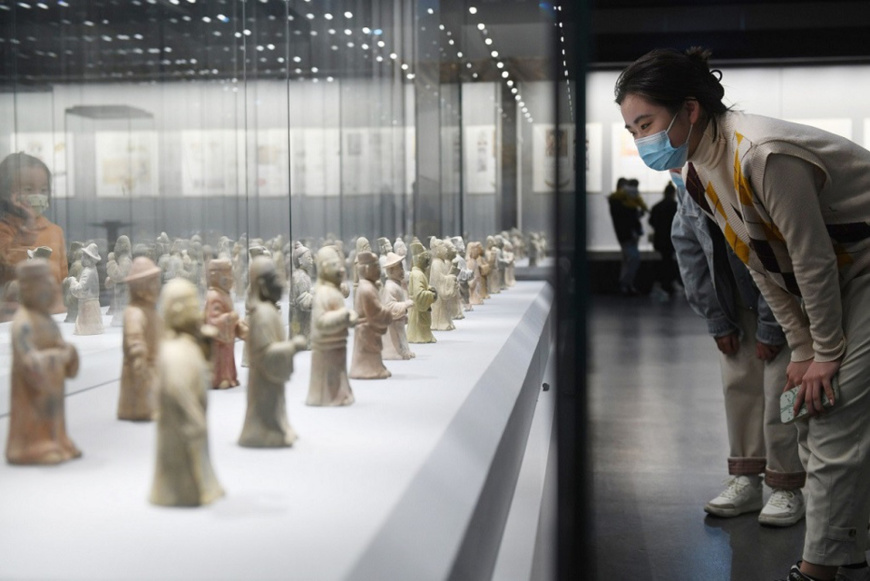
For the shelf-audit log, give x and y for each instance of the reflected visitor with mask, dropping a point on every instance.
(25, 195)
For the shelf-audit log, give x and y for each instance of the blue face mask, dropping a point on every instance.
(677, 178)
(657, 152)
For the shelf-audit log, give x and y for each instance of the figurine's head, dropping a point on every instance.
(180, 306)
(490, 241)
(458, 244)
(258, 250)
(400, 248)
(122, 246)
(439, 251)
(265, 282)
(329, 267)
(39, 252)
(90, 255)
(449, 249)
(302, 257)
(142, 250)
(25, 185)
(369, 267)
(38, 288)
(143, 280)
(420, 256)
(499, 241)
(362, 245)
(394, 267)
(220, 274)
(508, 246)
(384, 245)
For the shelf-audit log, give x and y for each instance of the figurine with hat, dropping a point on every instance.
(89, 320)
(393, 295)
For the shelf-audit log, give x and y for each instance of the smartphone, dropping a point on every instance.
(786, 403)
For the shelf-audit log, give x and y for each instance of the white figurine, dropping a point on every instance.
(89, 320)
(396, 339)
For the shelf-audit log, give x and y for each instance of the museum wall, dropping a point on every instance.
(345, 151)
(830, 97)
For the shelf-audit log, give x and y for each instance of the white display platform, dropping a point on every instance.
(411, 482)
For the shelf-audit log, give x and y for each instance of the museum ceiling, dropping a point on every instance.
(57, 41)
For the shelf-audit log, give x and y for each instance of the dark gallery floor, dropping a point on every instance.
(659, 451)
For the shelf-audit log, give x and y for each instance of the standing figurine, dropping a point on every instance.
(183, 475)
(41, 360)
(453, 305)
(396, 340)
(374, 320)
(475, 264)
(271, 358)
(510, 277)
(142, 331)
(423, 295)
(445, 284)
(464, 276)
(75, 272)
(301, 295)
(117, 269)
(362, 245)
(89, 320)
(493, 282)
(221, 314)
(330, 320)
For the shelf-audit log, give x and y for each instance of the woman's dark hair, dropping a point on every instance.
(10, 169)
(668, 77)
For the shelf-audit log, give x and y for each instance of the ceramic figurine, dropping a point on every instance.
(117, 269)
(445, 285)
(362, 245)
(464, 276)
(240, 272)
(183, 475)
(422, 295)
(142, 331)
(89, 320)
(400, 248)
(330, 320)
(276, 246)
(221, 314)
(453, 305)
(384, 248)
(501, 263)
(493, 284)
(393, 293)
(41, 360)
(476, 282)
(75, 272)
(301, 292)
(257, 249)
(271, 357)
(374, 320)
(510, 277)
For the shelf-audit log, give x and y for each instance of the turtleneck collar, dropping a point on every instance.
(712, 151)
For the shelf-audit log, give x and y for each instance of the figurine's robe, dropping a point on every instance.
(445, 285)
(37, 424)
(463, 301)
(271, 363)
(218, 312)
(183, 474)
(396, 339)
(142, 331)
(329, 385)
(89, 320)
(420, 315)
(493, 277)
(71, 303)
(374, 319)
(117, 271)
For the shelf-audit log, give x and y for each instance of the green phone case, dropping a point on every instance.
(786, 403)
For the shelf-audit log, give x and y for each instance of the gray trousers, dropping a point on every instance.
(835, 448)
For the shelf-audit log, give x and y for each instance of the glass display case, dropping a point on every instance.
(203, 125)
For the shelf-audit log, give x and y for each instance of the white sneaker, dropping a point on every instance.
(743, 494)
(783, 509)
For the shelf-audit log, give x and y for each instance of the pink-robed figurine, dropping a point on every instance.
(143, 328)
(41, 360)
(374, 319)
(330, 321)
(221, 314)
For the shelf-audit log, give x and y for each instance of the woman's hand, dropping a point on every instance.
(814, 378)
(728, 344)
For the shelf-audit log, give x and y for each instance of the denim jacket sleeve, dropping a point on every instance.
(694, 251)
